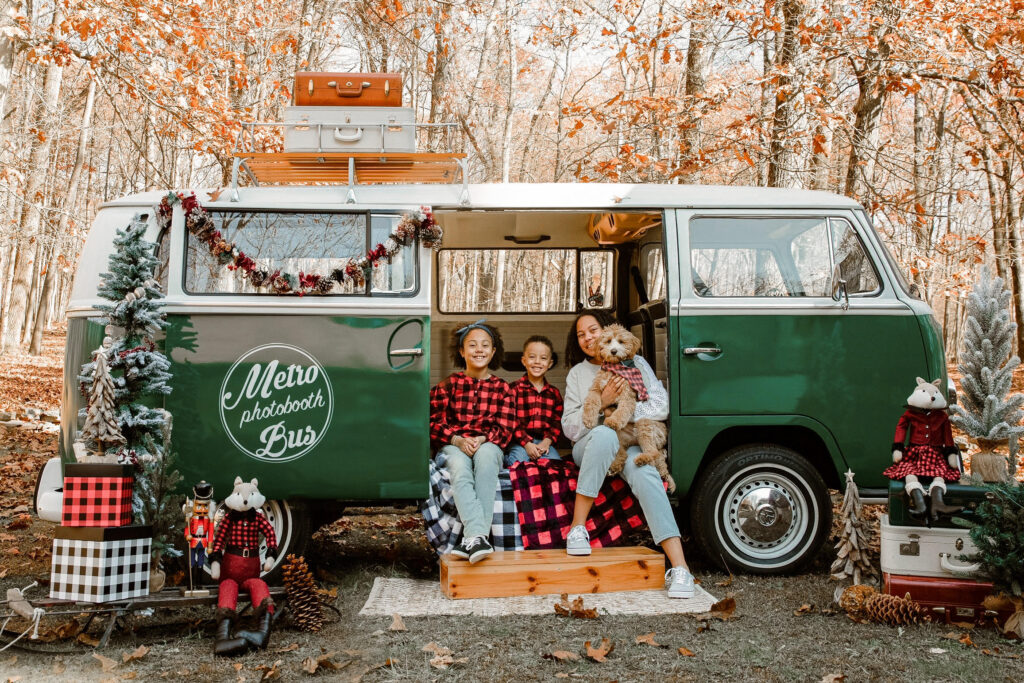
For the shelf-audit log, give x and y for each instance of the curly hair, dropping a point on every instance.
(573, 353)
(455, 346)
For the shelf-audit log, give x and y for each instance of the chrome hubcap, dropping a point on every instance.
(763, 514)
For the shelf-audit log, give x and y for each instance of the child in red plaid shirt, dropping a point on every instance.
(471, 421)
(538, 406)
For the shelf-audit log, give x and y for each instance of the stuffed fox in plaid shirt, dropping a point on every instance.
(235, 561)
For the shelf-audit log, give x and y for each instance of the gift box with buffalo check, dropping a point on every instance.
(100, 565)
(97, 495)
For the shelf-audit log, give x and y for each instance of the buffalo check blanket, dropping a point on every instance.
(545, 492)
(444, 528)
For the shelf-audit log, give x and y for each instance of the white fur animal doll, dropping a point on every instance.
(235, 560)
(923, 447)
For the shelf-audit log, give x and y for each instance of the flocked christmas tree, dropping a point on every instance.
(139, 371)
(985, 411)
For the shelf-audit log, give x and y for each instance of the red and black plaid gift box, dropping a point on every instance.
(97, 495)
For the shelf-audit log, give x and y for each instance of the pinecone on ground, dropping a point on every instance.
(302, 595)
(894, 611)
(854, 599)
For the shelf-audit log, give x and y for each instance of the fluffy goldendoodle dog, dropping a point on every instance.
(615, 349)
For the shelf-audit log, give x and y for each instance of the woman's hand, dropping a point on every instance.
(611, 391)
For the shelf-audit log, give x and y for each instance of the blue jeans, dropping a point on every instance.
(594, 454)
(474, 481)
(197, 555)
(518, 454)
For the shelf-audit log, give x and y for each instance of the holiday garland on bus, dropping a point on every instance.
(199, 224)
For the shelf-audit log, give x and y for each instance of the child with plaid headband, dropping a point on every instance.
(472, 419)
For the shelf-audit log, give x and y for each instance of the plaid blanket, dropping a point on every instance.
(545, 492)
(441, 518)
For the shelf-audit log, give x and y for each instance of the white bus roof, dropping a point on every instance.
(583, 196)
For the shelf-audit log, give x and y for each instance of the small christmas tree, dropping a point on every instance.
(851, 551)
(985, 412)
(101, 427)
(139, 372)
(997, 529)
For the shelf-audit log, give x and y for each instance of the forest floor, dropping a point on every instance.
(783, 628)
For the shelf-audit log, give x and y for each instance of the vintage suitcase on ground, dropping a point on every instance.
(948, 599)
(319, 89)
(967, 497)
(350, 129)
(97, 495)
(920, 551)
(99, 565)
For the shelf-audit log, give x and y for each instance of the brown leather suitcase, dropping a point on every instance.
(320, 89)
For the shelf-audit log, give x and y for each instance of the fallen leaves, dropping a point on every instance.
(86, 639)
(137, 653)
(833, 678)
(397, 624)
(575, 609)
(271, 672)
(287, 648)
(723, 609)
(601, 651)
(107, 663)
(648, 639)
(686, 652)
(562, 656)
(803, 610)
(325, 661)
(443, 657)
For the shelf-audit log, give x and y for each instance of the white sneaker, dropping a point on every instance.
(679, 583)
(578, 541)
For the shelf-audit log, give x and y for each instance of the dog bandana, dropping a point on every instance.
(632, 375)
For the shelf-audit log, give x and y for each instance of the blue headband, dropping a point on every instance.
(478, 325)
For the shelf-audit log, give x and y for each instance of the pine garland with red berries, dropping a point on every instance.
(198, 222)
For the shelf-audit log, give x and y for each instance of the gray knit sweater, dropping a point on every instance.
(578, 383)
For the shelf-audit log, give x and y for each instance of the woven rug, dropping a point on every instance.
(419, 598)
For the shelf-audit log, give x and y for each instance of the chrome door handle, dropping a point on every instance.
(694, 350)
(406, 352)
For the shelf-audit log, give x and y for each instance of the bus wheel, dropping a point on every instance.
(761, 509)
(291, 523)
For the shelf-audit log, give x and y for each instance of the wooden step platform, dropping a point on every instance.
(551, 572)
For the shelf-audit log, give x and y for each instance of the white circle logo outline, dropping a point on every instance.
(330, 401)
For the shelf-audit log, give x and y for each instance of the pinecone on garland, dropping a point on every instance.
(302, 595)
(882, 608)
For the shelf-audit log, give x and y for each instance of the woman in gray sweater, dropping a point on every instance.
(594, 449)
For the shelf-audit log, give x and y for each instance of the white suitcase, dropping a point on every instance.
(350, 129)
(920, 551)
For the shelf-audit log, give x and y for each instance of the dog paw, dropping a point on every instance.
(612, 423)
(643, 459)
(589, 421)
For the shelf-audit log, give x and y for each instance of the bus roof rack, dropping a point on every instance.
(344, 167)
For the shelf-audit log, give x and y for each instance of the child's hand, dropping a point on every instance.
(543, 446)
(467, 446)
(533, 451)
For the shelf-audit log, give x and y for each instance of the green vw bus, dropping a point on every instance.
(782, 327)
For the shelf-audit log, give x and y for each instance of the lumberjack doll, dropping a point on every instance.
(235, 558)
(923, 447)
(198, 528)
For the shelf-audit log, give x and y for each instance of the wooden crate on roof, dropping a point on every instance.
(335, 168)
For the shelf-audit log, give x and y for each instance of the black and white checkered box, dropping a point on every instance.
(100, 564)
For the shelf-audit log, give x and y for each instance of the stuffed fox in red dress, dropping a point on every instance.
(923, 447)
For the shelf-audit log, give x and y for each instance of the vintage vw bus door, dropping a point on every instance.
(767, 357)
(321, 396)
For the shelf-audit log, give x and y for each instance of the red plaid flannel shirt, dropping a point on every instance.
(538, 413)
(463, 406)
(243, 529)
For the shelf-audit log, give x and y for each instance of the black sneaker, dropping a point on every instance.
(478, 548)
(460, 551)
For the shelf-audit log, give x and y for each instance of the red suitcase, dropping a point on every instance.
(949, 599)
(320, 89)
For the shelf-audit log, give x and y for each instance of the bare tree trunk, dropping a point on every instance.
(693, 89)
(919, 228)
(437, 79)
(69, 207)
(868, 109)
(781, 162)
(8, 49)
(31, 216)
(506, 139)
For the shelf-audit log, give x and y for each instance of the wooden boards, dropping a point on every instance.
(551, 572)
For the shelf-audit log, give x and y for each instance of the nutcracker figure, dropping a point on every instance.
(198, 530)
